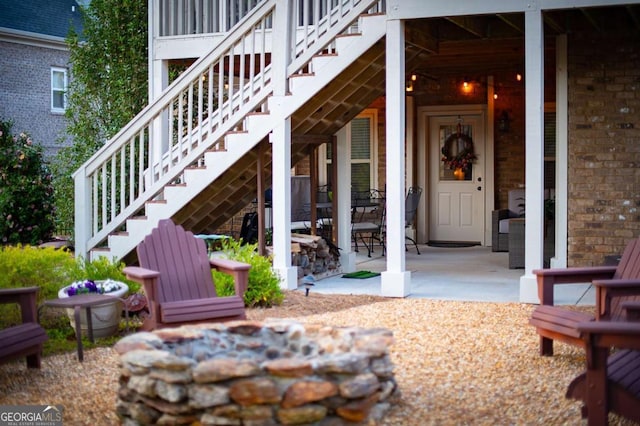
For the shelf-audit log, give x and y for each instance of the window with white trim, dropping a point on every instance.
(362, 138)
(58, 89)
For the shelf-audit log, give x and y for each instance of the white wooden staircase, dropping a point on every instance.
(191, 155)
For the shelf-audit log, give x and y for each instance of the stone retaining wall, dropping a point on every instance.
(255, 373)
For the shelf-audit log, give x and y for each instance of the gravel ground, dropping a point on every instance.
(456, 363)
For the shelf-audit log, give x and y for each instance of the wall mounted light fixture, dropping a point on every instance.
(468, 86)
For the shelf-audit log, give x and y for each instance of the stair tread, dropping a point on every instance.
(204, 207)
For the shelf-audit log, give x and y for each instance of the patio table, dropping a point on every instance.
(85, 301)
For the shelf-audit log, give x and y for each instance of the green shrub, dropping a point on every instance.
(49, 269)
(26, 213)
(28, 266)
(264, 285)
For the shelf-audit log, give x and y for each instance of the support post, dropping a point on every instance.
(342, 184)
(260, 197)
(281, 148)
(534, 147)
(562, 154)
(395, 281)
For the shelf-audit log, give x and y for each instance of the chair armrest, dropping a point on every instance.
(547, 278)
(26, 298)
(149, 280)
(606, 334)
(238, 270)
(609, 290)
(633, 283)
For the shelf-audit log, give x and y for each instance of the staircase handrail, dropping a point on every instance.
(111, 186)
(156, 105)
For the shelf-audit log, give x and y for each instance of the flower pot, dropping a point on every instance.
(105, 319)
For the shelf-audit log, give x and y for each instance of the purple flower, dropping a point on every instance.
(90, 286)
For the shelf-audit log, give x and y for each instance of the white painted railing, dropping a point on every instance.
(184, 17)
(194, 113)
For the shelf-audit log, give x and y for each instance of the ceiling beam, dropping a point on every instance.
(475, 26)
(420, 39)
(511, 23)
(591, 19)
(634, 16)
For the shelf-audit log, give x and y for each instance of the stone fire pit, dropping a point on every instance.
(255, 373)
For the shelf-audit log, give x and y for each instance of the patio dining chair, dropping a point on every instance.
(368, 220)
(410, 211)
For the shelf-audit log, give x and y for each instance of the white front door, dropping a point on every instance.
(457, 203)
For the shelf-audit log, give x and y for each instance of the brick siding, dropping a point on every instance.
(604, 145)
(25, 92)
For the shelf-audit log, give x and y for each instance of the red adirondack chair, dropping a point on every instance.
(175, 271)
(614, 285)
(25, 339)
(611, 380)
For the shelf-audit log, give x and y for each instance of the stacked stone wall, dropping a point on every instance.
(253, 373)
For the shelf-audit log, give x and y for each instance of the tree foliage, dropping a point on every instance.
(26, 211)
(108, 86)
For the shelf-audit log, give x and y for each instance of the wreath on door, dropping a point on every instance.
(458, 158)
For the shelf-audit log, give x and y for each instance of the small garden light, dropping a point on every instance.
(308, 283)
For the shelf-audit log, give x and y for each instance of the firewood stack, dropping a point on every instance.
(313, 255)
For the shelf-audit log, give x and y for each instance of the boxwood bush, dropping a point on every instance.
(264, 285)
(49, 269)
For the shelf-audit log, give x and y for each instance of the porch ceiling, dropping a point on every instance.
(453, 45)
(435, 47)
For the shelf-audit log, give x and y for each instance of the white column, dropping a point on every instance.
(410, 140)
(82, 212)
(161, 124)
(154, 30)
(562, 154)
(534, 150)
(489, 165)
(347, 255)
(281, 148)
(395, 281)
(281, 145)
(158, 81)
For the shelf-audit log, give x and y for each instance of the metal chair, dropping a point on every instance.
(368, 218)
(410, 210)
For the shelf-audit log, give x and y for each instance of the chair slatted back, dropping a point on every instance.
(182, 261)
(628, 269)
(629, 266)
(411, 204)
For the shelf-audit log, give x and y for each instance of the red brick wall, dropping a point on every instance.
(509, 149)
(604, 145)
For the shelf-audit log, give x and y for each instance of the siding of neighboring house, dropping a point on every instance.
(25, 92)
(604, 145)
(32, 41)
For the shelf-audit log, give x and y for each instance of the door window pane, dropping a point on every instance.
(456, 141)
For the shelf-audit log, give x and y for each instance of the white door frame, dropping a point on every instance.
(423, 115)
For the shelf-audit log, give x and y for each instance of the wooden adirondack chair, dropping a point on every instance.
(26, 339)
(611, 381)
(614, 285)
(175, 271)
